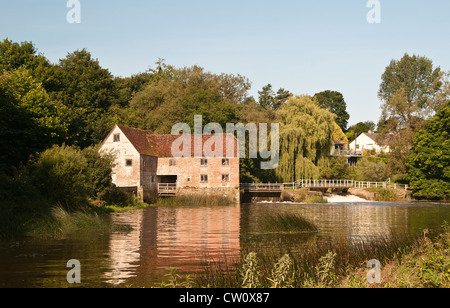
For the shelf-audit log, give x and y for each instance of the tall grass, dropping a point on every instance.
(197, 200)
(61, 223)
(287, 223)
(311, 265)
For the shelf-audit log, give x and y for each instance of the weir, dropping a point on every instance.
(274, 190)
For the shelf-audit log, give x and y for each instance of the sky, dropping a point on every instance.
(302, 46)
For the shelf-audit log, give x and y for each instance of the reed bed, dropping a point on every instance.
(308, 265)
(287, 223)
(197, 200)
(60, 223)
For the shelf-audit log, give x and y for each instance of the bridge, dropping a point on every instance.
(319, 184)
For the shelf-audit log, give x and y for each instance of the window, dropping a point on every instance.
(225, 178)
(172, 162)
(116, 137)
(188, 180)
(225, 162)
(204, 178)
(204, 162)
(129, 162)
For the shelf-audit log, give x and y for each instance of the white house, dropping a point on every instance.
(367, 142)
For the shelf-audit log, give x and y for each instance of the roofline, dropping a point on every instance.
(109, 134)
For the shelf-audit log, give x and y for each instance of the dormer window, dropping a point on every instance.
(116, 137)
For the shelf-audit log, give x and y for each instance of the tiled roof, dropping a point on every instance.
(147, 143)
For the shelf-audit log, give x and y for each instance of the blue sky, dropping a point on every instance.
(302, 46)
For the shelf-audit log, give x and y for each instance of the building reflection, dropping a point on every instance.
(163, 238)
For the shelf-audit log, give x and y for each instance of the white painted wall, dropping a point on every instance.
(365, 143)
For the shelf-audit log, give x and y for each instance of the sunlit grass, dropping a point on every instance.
(287, 223)
(197, 200)
(60, 223)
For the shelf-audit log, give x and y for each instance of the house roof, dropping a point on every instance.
(150, 144)
(381, 139)
(338, 142)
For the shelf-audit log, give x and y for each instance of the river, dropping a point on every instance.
(187, 238)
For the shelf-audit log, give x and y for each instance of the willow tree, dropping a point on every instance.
(305, 138)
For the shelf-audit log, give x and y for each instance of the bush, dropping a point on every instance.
(69, 176)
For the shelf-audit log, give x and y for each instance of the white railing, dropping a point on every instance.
(323, 184)
(266, 187)
(167, 187)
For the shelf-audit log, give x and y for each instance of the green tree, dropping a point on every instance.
(29, 120)
(14, 56)
(87, 90)
(281, 97)
(408, 88)
(429, 161)
(334, 102)
(362, 127)
(305, 138)
(268, 99)
(336, 168)
(179, 94)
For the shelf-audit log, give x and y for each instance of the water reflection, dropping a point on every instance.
(355, 220)
(187, 238)
(163, 238)
(124, 248)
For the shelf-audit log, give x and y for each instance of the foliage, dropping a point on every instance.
(175, 280)
(268, 99)
(338, 134)
(179, 95)
(407, 87)
(29, 120)
(14, 56)
(69, 176)
(249, 272)
(429, 161)
(326, 270)
(305, 138)
(371, 170)
(282, 273)
(334, 102)
(336, 168)
(87, 90)
(60, 223)
(362, 127)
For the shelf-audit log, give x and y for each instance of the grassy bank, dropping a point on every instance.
(60, 223)
(40, 220)
(412, 263)
(196, 200)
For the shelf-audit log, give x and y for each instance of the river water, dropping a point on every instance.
(187, 238)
